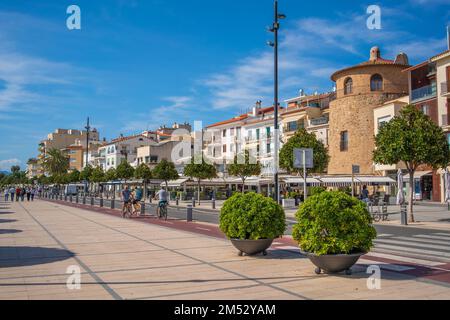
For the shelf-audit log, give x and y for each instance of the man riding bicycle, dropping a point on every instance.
(136, 199)
(162, 195)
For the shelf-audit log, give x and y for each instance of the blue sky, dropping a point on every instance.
(135, 65)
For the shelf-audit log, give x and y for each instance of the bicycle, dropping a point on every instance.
(127, 211)
(163, 211)
(137, 208)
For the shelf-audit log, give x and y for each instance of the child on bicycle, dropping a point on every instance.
(126, 197)
(136, 199)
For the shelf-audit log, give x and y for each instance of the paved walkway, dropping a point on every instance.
(150, 259)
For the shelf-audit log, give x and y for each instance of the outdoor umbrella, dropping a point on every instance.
(447, 185)
(400, 194)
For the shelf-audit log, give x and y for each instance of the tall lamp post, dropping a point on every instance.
(88, 128)
(275, 27)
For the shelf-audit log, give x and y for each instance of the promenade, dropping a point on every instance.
(150, 259)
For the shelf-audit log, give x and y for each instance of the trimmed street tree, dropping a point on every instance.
(244, 166)
(56, 162)
(85, 174)
(414, 139)
(124, 170)
(143, 172)
(74, 176)
(111, 174)
(303, 139)
(200, 171)
(165, 170)
(97, 175)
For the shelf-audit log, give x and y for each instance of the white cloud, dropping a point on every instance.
(7, 164)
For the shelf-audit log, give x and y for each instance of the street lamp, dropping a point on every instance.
(275, 27)
(88, 128)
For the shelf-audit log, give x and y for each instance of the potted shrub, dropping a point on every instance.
(334, 230)
(252, 221)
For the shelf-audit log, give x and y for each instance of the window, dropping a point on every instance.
(249, 134)
(147, 159)
(257, 150)
(232, 132)
(292, 126)
(382, 121)
(238, 133)
(257, 134)
(344, 141)
(153, 159)
(224, 133)
(376, 83)
(348, 86)
(268, 132)
(268, 148)
(112, 161)
(224, 148)
(425, 109)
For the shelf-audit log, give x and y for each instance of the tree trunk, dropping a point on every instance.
(198, 196)
(167, 185)
(243, 186)
(411, 197)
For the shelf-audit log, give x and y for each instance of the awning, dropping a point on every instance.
(417, 175)
(300, 180)
(175, 183)
(337, 181)
(376, 180)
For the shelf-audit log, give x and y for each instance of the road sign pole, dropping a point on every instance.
(304, 174)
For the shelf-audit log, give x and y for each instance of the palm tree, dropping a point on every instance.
(56, 162)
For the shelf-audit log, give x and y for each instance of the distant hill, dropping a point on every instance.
(5, 172)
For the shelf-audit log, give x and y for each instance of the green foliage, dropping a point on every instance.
(334, 223)
(111, 175)
(73, 176)
(412, 138)
(124, 170)
(56, 162)
(15, 169)
(200, 171)
(252, 216)
(303, 139)
(86, 173)
(244, 166)
(143, 172)
(97, 175)
(292, 195)
(166, 171)
(317, 190)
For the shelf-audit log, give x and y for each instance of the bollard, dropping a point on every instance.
(65, 197)
(92, 201)
(404, 215)
(76, 199)
(84, 199)
(213, 203)
(101, 202)
(142, 208)
(189, 213)
(112, 203)
(71, 198)
(193, 202)
(177, 202)
(60, 197)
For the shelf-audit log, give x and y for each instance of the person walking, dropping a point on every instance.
(365, 194)
(33, 193)
(28, 191)
(6, 191)
(18, 194)
(22, 194)
(12, 191)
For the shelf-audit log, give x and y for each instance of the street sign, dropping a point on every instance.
(299, 154)
(356, 169)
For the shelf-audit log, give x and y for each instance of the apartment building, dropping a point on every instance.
(153, 154)
(123, 148)
(310, 112)
(33, 168)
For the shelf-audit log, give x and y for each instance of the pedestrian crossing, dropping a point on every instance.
(426, 249)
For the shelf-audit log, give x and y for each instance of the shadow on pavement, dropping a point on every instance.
(7, 220)
(7, 212)
(9, 231)
(30, 256)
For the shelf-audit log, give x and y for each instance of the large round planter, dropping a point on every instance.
(252, 247)
(333, 263)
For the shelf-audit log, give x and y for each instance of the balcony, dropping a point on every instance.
(424, 93)
(319, 121)
(445, 89)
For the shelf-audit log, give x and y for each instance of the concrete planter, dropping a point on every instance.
(252, 247)
(333, 263)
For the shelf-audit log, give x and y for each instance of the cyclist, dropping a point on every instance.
(137, 197)
(126, 196)
(162, 195)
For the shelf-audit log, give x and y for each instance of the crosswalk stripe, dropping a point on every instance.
(415, 244)
(404, 259)
(385, 265)
(413, 250)
(442, 234)
(426, 236)
(423, 240)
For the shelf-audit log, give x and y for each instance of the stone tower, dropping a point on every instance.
(359, 89)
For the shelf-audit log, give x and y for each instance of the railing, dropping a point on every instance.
(423, 93)
(319, 121)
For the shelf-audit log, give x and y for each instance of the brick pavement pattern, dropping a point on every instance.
(131, 259)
